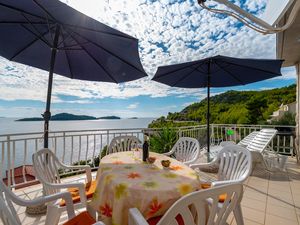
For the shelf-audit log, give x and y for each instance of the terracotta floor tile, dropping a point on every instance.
(253, 215)
(283, 212)
(254, 204)
(276, 220)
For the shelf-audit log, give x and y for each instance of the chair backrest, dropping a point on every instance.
(195, 210)
(235, 163)
(246, 140)
(8, 213)
(122, 144)
(262, 139)
(186, 149)
(46, 166)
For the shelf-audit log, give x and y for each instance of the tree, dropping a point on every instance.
(255, 107)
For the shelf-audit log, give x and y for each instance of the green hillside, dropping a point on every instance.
(234, 107)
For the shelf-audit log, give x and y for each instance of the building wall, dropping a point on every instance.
(297, 141)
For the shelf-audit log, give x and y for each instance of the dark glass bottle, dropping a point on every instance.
(145, 151)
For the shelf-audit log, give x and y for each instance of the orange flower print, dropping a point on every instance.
(106, 210)
(118, 162)
(176, 167)
(134, 175)
(154, 207)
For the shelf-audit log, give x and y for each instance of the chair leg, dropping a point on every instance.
(53, 215)
(92, 211)
(238, 215)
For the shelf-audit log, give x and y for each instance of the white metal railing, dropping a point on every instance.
(84, 146)
(283, 142)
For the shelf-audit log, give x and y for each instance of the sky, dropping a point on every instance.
(169, 32)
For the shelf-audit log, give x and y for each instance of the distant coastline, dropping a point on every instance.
(68, 116)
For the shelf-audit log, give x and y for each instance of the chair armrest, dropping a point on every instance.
(224, 182)
(136, 218)
(226, 143)
(46, 199)
(169, 153)
(80, 186)
(87, 168)
(205, 165)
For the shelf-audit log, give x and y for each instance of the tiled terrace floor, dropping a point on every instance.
(269, 198)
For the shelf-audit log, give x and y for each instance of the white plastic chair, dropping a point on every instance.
(8, 199)
(122, 144)
(194, 208)
(46, 166)
(186, 150)
(235, 165)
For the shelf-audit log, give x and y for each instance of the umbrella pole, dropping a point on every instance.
(208, 110)
(47, 113)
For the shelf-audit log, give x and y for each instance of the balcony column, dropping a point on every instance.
(297, 140)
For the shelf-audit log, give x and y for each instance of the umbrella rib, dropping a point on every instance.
(34, 27)
(168, 73)
(45, 10)
(22, 22)
(26, 46)
(100, 31)
(231, 74)
(20, 10)
(261, 70)
(99, 46)
(36, 35)
(94, 59)
(187, 75)
(48, 13)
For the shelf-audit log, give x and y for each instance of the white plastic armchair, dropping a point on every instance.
(122, 144)
(8, 199)
(234, 162)
(235, 166)
(46, 166)
(186, 150)
(194, 208)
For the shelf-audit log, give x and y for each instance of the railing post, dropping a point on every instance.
(107, 140)
(179, 133)
(8, 162)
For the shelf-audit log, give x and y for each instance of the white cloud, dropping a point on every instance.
(183, 28)
(133, 105)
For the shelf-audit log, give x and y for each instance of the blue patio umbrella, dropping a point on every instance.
(217, 71)
(52, 36)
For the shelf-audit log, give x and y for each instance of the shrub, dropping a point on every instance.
(163, 140)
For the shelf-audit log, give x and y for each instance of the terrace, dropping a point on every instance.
(269, 197)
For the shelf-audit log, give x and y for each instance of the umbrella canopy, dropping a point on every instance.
(217, 71)
(52, 36)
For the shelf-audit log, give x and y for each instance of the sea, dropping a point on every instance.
(11, 126)
(21, 155)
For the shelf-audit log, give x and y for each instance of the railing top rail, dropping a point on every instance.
(95, 130)
(254, 125)
(54, 133)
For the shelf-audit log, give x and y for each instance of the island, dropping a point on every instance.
(109, 118)
(68, 116)
(61, 116)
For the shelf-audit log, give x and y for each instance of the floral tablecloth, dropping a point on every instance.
(124, 181)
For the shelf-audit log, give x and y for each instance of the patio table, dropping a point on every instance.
(124, 181)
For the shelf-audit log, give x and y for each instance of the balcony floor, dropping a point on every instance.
(269, 198)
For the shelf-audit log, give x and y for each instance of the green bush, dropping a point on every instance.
(163, 140)
(287, 119)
